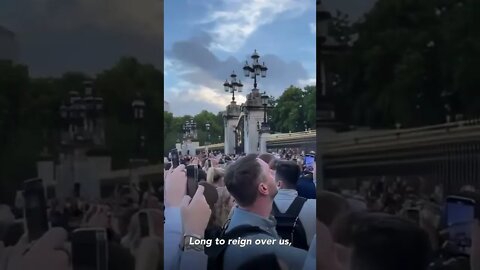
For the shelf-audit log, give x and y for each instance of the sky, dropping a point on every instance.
(206, 40)
(56, 36)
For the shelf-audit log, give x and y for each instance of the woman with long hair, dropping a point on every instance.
(215, 177)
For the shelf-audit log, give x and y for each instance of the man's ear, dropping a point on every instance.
(263, 189)
(279, 183)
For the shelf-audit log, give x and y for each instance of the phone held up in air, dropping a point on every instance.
(308, 162)
(90, 249)
(35, 208)
(175, 158)
(460, 215)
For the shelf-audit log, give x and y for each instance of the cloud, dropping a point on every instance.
(234, 24)
(311, 81)
(56, 36)
(197, 64)
(190, 99)
(195, 67)
(141, 17)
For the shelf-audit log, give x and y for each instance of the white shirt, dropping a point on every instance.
(308, 214)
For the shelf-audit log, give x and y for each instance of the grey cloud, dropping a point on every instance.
(84, 35)
(186, 107)
(210, 71)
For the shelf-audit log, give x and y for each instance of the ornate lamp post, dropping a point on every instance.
(207, 126)
(80, 114)
(255, 69)
(233, 85)
(138, 106)
(265, 100)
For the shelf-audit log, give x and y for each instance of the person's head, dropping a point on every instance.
(215, 176)
(287, 174)
(251, 182)
(223, 206)
(382, 242)
(330, 206)
(269, 159)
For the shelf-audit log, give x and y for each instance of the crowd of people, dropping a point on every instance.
(118, 215)
(390, 224)
(258, 212)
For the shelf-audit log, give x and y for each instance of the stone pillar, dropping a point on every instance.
(230, 118)
(230, 136)
(251, 130)
(46, 172)
(97, 166)
(263, 142)
(65, 176)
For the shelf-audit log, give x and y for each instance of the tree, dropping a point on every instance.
(174, 128)
(29, 117)
(119, 86)
(408, 54)
(293, 108)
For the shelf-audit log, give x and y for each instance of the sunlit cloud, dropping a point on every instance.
(234, 24)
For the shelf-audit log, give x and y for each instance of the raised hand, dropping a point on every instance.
(49, 252)
(175, 186)
(195, 213)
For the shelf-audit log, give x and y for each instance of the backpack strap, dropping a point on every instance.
(275, 210)
(296, 206)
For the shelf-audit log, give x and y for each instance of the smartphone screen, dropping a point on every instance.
(35, 209)
(90, 249)
(309, 161)
(460, 216)
(175, 158)
(144, 229)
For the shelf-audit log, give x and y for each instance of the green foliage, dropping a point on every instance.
(407, 53)
(29, 118)
(294, 107)
(173, 131)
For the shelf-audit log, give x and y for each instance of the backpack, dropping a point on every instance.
(216, 253)
(289, 225)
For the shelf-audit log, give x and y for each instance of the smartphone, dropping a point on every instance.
(308, 161)
(175, 158)
(90, 249)
(35, 208)
(144, 228)
(460, 214)
(414, 215)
